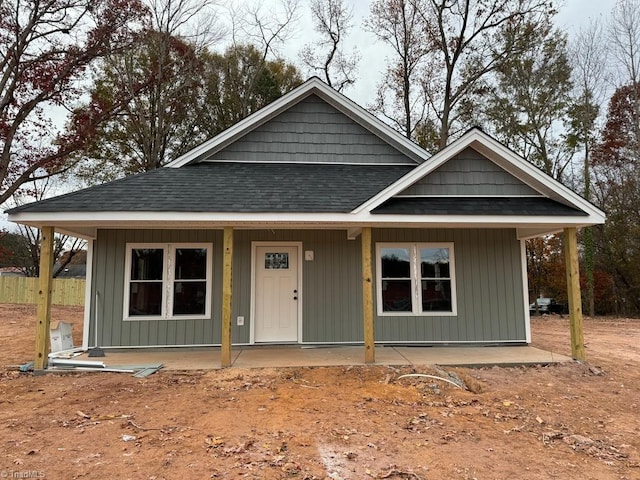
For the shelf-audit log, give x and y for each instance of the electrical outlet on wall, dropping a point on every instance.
(240, 321)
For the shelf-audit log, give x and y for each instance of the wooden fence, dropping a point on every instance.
(66, 291)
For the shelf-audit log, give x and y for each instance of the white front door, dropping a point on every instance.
(276, 294)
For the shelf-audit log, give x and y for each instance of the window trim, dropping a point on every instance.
(168, 280)
(414, 249)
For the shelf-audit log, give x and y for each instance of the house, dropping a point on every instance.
(313, 222)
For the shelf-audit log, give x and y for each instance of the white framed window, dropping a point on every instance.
(168, 281)
(416, 279)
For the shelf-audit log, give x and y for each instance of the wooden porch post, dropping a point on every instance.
(43, 308)
(573, 293)
(227, 286)
(367, 297)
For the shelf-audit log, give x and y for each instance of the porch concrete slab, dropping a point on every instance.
(252, 357)
(208, 358)
(176, 358)
(480, 356)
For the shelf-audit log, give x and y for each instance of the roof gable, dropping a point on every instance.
(505, 158)
(469, 173)
(311, 131)
(313, 86)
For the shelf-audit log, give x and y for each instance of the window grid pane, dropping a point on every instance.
(396, 263)
(145, 299)
(435, 279)
(147, 264)
(416, 278)
(191, 263)
(189, 298)
(396, 296)
(434, 263)
(176, 287)
(436, 295)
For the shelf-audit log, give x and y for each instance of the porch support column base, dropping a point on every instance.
(367, 297)
(227, 285)
(43, 308)
(573, 293)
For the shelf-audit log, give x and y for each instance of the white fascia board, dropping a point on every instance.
(545, 184)
(311, 86)
(479, 221)
(507, 159)
(71, 221)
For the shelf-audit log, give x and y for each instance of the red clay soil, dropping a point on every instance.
(571, 421)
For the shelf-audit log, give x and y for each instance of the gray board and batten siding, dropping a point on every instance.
(311, 131)
(490, 297)
(470, 173)
(107, 292)
(488, 278)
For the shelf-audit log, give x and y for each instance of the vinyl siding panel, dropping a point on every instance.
(488, 279)
(108, 293)
(489, 292)
(311, 131)
(469, 173)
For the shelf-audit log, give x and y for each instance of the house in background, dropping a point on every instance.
(72, 270)
(11, 272)
(312, 222)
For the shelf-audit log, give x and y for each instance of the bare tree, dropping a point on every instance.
(624, 40)
(588, 59)
(194, 21)
(471, 39)
(332, 20)
(265, 28)
(31, 236)
(399, 24)
(445, 51)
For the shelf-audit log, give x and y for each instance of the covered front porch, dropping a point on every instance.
(370, 352)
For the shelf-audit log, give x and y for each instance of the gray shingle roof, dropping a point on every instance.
(529, 206)
(232, 187)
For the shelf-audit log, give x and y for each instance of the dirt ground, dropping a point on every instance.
(572, 421)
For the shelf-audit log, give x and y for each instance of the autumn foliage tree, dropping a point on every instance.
(545, 268)
(184, 95)
(616, 189)
(45, 50)
(21, 251)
